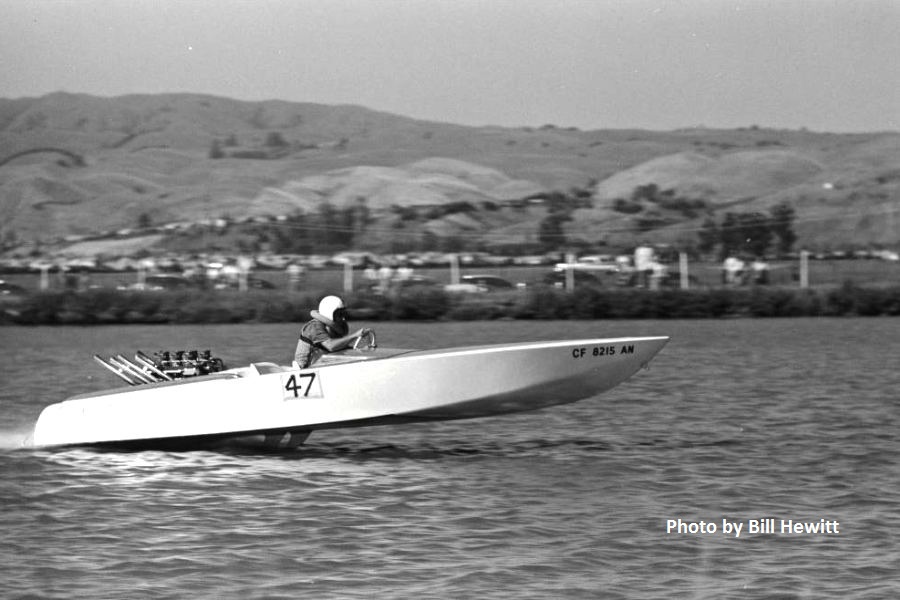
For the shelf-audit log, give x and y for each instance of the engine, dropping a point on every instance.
(165, 365)
(178, 364)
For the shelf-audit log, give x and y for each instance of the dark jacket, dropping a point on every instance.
(319, 329)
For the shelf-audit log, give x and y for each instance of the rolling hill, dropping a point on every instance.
(75, 165)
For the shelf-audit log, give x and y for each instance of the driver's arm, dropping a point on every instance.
(341, 343)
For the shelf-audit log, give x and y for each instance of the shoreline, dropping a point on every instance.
(114, 307)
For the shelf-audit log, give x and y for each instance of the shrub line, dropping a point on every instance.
(99, 307)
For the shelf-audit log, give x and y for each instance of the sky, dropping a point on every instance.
(824, 65)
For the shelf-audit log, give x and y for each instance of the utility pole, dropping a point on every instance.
(804, 269)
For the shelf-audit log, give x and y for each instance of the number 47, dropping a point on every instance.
(294, 384)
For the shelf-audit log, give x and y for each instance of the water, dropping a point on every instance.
(738, 420)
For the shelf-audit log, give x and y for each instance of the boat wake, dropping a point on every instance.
(479, 448)
(450, 449)
(21, 439)
(14, 439)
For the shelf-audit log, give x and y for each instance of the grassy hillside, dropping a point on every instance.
(76, 165)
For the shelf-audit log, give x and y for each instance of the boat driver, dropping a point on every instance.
(325, 332)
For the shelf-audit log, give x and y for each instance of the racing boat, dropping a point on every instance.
(195, 402)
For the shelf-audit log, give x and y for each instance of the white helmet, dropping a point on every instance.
(329, 305)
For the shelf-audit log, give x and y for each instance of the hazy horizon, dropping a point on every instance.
(648, 64)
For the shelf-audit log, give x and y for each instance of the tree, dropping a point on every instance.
(758, 230)
(292, 236)
(362, 215)
(428, 241)
(258, 119)
(629, 207)
(12, 238)
(328, 224)
(745, 233)
(145, 221)
(645, 192)
(550, 230)
(275, 140)
(215, 150)
(782, 216)
(344, 235)
(452, 243)
(709, 236)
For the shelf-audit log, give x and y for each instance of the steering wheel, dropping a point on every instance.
(370, 337)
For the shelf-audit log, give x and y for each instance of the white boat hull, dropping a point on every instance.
(281, 405)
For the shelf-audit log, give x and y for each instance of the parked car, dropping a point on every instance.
(557, 278)
(10, 292)
(253, 283)
(493, 283)
(464, 288)
(163, 282)
(671, 279)
(414, 281)
(602, 263)
(256, 283)
(534, 260)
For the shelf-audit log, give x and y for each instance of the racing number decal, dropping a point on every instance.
(300, 384)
